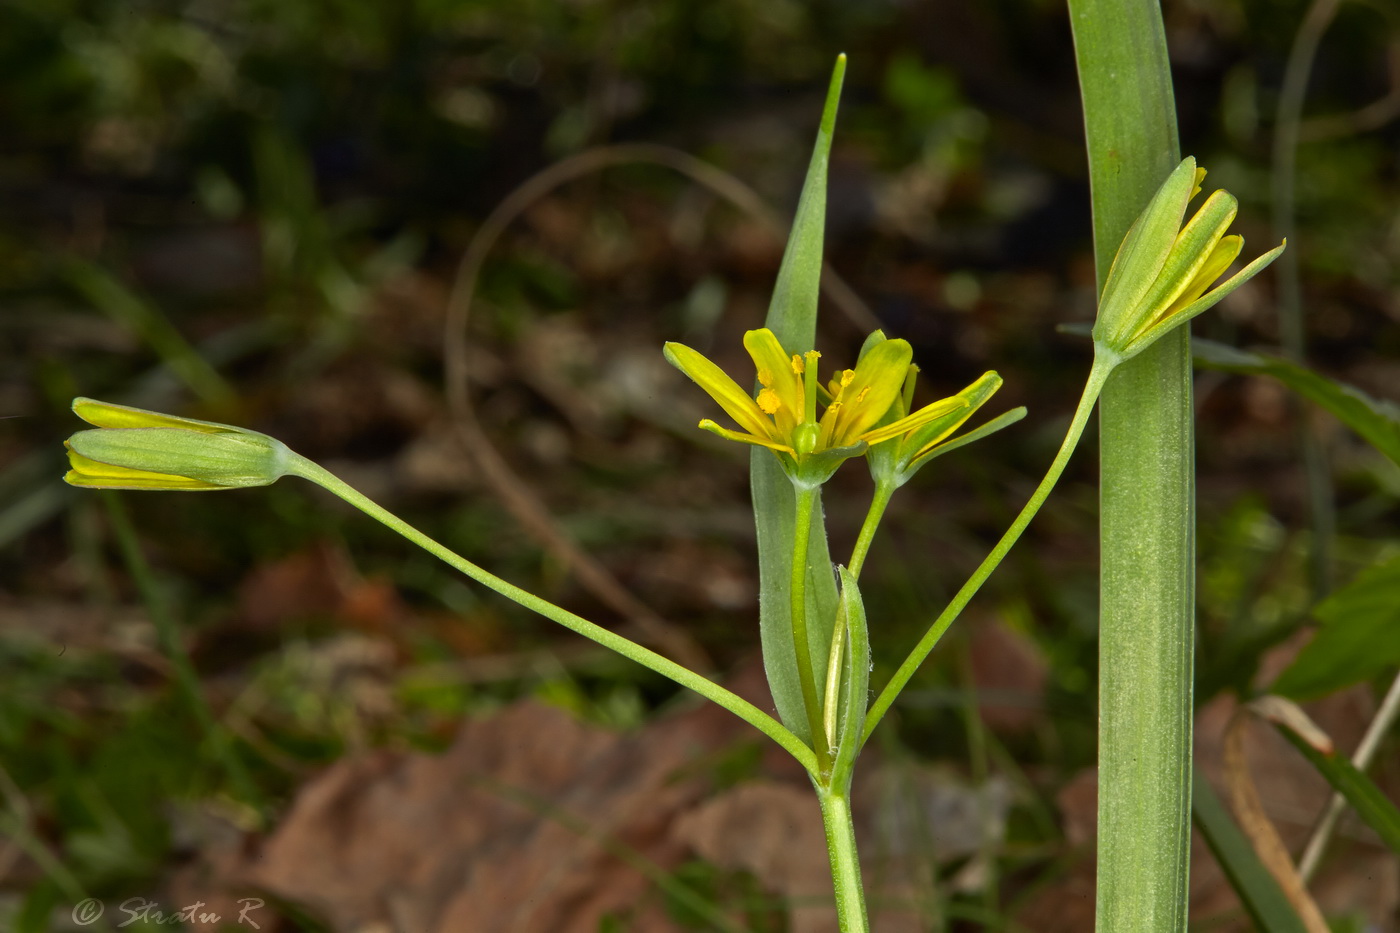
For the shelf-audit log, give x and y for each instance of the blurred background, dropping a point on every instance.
(254, 212)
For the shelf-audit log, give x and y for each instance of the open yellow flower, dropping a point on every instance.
(137, 449)
(782, 415)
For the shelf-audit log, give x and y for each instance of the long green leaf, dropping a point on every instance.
(1360, 792)
(1258, 890)
(792, 316)
(1357, 640)
(1377, 422)
(1147, 520)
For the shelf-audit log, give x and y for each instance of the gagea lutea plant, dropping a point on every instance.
(809, 427)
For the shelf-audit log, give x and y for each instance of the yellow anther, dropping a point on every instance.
(847, 377)
(860, 396)
(769, 401)
(797, 367)
(765, 377)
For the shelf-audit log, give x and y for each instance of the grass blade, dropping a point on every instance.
(1378, 422)
(1360, 792)
(1257, 889)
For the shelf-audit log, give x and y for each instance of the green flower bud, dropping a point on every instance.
(136, 449)
(1160, 276)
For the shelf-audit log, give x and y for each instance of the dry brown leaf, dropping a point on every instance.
(500, 833)
(1292, 795)
(774, 831)
(311, 582)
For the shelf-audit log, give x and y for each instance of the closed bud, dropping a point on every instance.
(1163, 272)
(136, 449)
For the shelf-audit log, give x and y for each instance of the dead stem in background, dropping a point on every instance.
(1378, 112)
(1321, 509)
(519, 499)
(1259, 829)
(1290, 129)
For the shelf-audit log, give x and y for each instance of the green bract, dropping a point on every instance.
(137, 449)
(1160, 276)
(783, 414)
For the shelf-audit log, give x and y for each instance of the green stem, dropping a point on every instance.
(186, 680)
(845, 864)
(300, 466)
(1103, 365)
(1147, 497)
(878, 503)
(1146, 631)
(802, 529)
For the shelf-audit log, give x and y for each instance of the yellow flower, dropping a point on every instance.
(137, 449)
(897, 452)
(1161, 273)
(782, 415)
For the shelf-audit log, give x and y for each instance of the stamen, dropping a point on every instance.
(769, 401)
(797, 364)
(765, 377)
(809, 385)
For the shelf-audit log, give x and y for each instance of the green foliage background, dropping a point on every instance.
(250, 211)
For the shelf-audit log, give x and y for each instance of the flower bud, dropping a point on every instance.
(136, 449)
(1161, 273)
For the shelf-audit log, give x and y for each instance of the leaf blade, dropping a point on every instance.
(792, 316)
(1360, 792)
(1356, 640)
(1257, 889)
(1376, 421)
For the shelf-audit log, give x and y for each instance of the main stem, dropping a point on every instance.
(684, 676)
(1103, 365)
(798, 596)
(845, 864)
(1147, 520)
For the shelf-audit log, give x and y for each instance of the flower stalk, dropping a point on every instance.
(150, 450)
